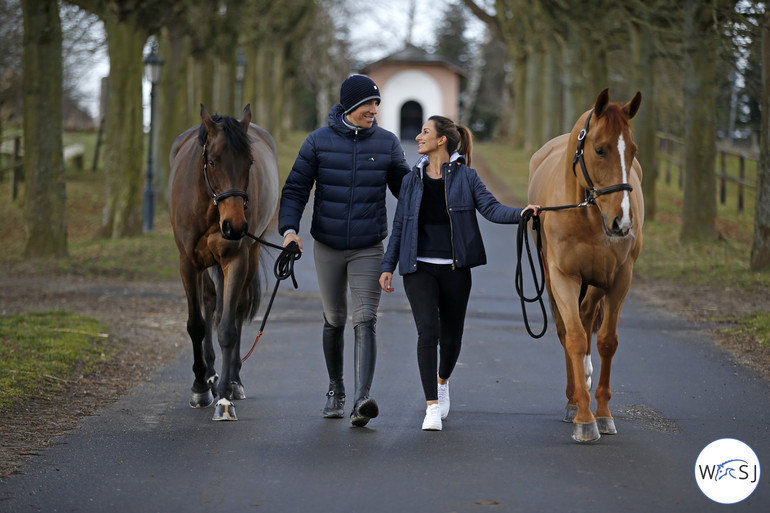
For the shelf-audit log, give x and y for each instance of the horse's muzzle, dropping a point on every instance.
(230, 233)
(618, 228)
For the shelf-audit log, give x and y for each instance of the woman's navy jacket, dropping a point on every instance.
(465, 193)
(350, 169)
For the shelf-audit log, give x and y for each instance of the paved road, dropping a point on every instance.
(503, 447)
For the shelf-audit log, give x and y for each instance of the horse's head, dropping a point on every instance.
(606, 158)
(226, 158)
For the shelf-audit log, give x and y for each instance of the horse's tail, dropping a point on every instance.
(255, 296)
(599, 317)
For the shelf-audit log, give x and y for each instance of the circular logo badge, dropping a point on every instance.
(727, 471)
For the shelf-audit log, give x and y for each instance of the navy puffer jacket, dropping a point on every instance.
(465, 194)
(350, 169)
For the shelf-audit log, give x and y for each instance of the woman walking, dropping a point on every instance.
(436, 241)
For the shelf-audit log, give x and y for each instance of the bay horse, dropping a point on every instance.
(589, 248)
(223, 184)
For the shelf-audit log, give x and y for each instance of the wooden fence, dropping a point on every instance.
(12, 159)
(10, 147)
(670, 152)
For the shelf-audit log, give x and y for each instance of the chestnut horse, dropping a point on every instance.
(223, 184)
(589, 247)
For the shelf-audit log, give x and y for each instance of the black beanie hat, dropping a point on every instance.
(358, 89)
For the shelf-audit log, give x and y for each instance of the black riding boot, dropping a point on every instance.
(365, 356)
(334, 344)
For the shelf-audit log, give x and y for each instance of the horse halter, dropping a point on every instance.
(222, 195)
(592, 192)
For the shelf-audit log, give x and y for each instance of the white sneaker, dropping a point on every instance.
(443, 399)
(432, 420)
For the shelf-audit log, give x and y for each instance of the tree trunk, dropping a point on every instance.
(175, 112)
(279, 79)
(760, 247)
(643, 52)
(517, 122)
(596, 63)
(474, 80)
(700, 49)
(250, 81)
(45, 199)
(552, 92)
(123, 162)
(225, 42)
(261, 88)
(506, 121)
(533, 93)
(575, 86)
(200, 83)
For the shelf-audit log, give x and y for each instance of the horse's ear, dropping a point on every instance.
(246, 119)
(632, 107)
(207, 119)
(601, 102)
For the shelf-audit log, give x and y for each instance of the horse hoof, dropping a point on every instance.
(201, 399)
(585, 432)
(569, 413)
(606, 425)
(238, 392)
(224, 410)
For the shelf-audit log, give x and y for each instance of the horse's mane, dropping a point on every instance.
(235, 137)
(614, 119)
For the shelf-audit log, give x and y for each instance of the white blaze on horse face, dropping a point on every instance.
(626, 203)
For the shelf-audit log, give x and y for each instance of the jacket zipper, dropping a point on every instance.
(448, 211)
(352, 185)
(421, 188)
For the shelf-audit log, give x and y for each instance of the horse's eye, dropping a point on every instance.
(211, 163)
(600, 152)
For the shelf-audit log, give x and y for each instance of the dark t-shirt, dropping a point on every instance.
(434, 236)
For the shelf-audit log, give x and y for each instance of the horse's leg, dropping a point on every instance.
(570, 410)
(250, 296)
(589, 310)
(238, 391)
(244, 306)
(209, 293)
(606, 345)
(196, 328)
(566, 293)
(228, 332)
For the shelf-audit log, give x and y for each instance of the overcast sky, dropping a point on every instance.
(380, 28)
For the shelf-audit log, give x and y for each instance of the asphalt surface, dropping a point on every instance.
(503, 447)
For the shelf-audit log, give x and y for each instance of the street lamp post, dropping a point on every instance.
(152, 67)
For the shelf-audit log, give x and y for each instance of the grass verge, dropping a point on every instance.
(40, 352)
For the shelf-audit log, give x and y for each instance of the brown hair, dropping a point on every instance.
(459, 137)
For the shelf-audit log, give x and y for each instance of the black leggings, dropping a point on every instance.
(438, 296)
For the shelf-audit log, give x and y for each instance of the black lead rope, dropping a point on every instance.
(521, 241)
(283, 269)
